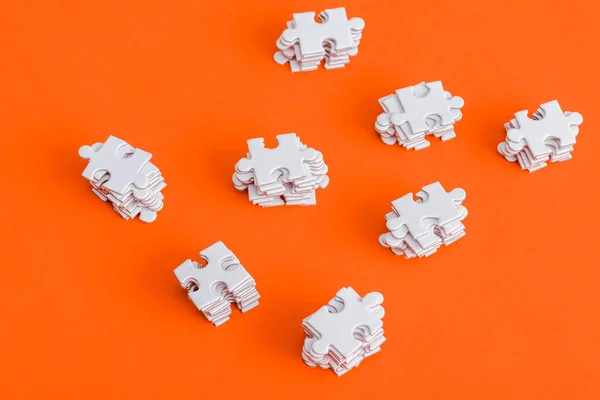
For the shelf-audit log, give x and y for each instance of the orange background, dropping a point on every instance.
(89, 306)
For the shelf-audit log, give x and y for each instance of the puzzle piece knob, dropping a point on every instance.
(85, 152)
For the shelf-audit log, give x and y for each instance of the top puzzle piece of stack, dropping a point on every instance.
(305, 42)
(416, 111)
(124, 176)
(345, 332)
(214, 286)
(288, 174)
(419, 227)
(549, 135)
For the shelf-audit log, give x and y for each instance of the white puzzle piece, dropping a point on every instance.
(124, 176)
(425, 101)
(306, 43)
(436, 207)
(222, 281)
(419, 227)
(414, 112)
(268, 163)
(286, 175)
(310, 35)
(549, 136)
(343, 333)
(122, 164)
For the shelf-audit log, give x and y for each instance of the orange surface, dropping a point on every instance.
(89, 306)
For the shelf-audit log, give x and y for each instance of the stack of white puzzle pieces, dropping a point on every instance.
(343, 333)
(550, 135)
(414, 112)
(125, 177)
(419, 228)
(305, 42)
(288, 174)
(222, 281)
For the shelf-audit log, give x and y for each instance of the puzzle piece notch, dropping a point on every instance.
(267, 164)
(552, 124)
(311, 35)
(336, 329)
(222, 267)
(437, 207)
(122, 162)
(426, 100)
